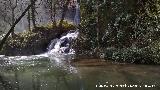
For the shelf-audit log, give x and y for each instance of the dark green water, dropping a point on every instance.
(46, 74)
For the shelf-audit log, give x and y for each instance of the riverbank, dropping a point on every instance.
(94, 62)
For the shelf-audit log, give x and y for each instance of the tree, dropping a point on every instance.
(29, 22)
(65, 8)
(119, 24)
(15, 23)
(8, 10)
(33, 9)
(13, 6)
(53, 12)
(50, 5)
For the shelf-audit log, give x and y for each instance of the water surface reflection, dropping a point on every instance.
(45, 74)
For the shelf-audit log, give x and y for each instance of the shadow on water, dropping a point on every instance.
(114, 74)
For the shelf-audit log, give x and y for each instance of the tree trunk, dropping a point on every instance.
(33, 13)
(65, 8)
(54, 15)
(13, 20)
(29, 23)
(13, 7)
(13, 26)
(98, 25)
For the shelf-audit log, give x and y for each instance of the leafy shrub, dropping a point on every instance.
(134, 55)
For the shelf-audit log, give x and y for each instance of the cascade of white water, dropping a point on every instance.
(63, 45)
(60, 51)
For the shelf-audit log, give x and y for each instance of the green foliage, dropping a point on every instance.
(128, 26)
(133, 55)
(65, 24)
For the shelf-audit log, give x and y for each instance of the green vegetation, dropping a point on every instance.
(126, 31)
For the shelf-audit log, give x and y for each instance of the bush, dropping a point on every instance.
(135, 55)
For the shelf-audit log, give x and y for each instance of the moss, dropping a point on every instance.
(66, 25)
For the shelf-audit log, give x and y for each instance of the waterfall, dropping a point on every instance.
(60, 51)
(77, 15)
(63, 45)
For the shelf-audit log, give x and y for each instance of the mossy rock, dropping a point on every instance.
(34, 41)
